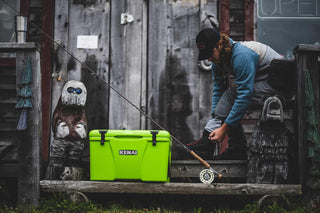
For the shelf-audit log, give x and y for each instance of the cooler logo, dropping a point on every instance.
(128, 152)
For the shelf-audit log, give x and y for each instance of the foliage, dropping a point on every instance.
(56, 204)
(61, 203)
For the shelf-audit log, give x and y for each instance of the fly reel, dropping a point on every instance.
(207, 175)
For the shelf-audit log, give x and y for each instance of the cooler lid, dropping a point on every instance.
(96, 134)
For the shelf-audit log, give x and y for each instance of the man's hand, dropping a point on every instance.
(218, 135)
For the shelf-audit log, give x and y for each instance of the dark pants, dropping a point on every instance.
(236, 138)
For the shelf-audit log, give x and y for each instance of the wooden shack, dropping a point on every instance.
(145, 50)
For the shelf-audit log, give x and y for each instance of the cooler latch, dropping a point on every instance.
(154, 137)
(102, 133)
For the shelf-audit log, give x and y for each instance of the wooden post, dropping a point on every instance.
(248, 20)
(46, 70)
(225, 17)
(307, 57)
(30, 139)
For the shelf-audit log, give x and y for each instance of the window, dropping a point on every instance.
(7, 20)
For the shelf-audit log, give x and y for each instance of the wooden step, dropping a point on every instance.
(192, 168)
(169, 188)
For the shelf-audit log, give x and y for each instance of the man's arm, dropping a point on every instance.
(244, 66)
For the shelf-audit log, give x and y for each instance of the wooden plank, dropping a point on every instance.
(169, 188)
(225, 17)
(144, 66)
(192, 168)
(182, 71)
(6, 47)
(310, 48)
(46, 71)
(60, 62)
(7, 86)
(205, 76)
(255, 114)
(249, 126)
(301, 121)
(7, 62)
(135, 67)
(117, 71)
(248, 20)
(159, 25)
(61, 28)
(91, 20)
(128, 65)
(25, 8)
(30, 140)
(313, 67)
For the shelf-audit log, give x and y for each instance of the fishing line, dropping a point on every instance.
(97, 76)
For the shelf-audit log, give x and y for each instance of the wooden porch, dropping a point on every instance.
(186, 171)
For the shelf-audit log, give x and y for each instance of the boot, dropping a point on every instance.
(236, 145)
(232, 155)
(203, 147)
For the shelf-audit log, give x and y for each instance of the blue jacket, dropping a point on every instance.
(247, 58)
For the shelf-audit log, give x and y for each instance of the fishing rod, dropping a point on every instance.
(206, 175)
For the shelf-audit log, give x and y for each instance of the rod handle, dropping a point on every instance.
(200, 159)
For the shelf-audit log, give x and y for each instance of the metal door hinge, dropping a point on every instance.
(126, 18)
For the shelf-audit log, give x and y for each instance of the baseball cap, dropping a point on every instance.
(206, 40)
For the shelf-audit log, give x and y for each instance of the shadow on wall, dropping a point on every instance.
(96, 110)
(97, 114)
(175, 101)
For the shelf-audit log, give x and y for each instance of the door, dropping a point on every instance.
(146, 52)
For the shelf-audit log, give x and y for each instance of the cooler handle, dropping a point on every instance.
(102, 133)
(154, 137)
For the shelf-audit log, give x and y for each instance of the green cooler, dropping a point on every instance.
(130, 155)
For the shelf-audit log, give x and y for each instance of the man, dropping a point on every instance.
(247, 62)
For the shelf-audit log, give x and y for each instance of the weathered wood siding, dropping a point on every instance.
(8, 113)
(128, 69)
(152, 61)
(73, 19)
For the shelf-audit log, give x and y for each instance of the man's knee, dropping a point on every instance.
(225, 104)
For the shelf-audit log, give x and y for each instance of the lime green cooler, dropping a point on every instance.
(130, 155)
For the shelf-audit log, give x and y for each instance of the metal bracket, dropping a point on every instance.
(126, 18)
